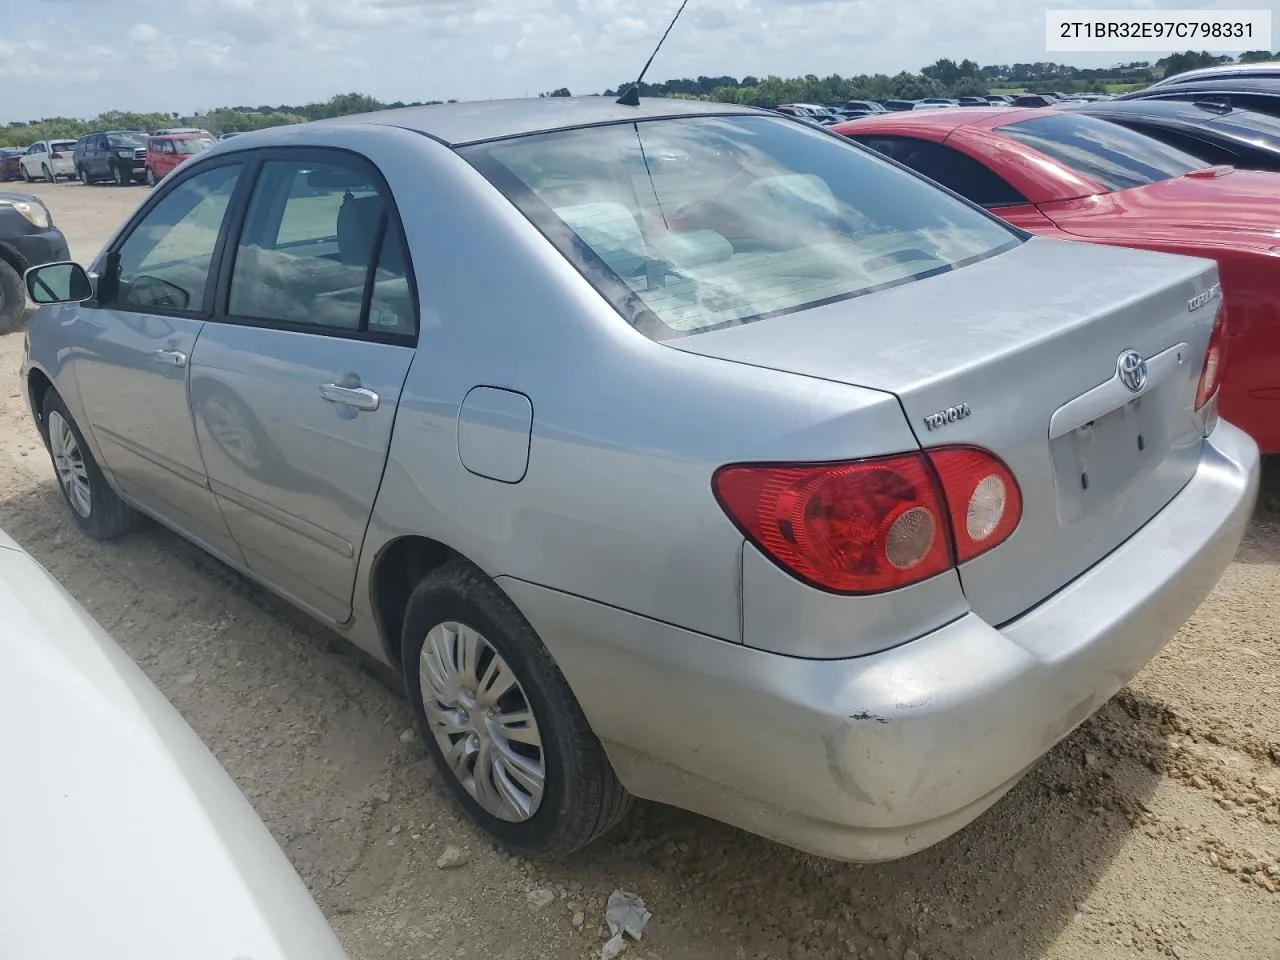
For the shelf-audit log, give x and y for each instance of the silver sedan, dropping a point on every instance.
(679, 451)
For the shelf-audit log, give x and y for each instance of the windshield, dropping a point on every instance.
(59, 145)
(694, 224)
(123, 140)
(192, 145)
(1116, 157)
(1249, 125)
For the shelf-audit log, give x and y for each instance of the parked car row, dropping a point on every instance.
(829, 113)
(838, 465)
(120, 156)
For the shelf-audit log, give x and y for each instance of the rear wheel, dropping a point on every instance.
(13, 298)
(48, 175)
(500, 720)
(94, 505)
(151, 177)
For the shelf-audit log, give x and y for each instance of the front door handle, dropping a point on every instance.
(358, 397)
(171, 358)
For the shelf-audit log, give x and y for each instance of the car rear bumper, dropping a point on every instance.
(877, 757)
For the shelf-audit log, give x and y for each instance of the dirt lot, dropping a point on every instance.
(1154, 830)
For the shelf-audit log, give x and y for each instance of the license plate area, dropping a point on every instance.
(1096, 462)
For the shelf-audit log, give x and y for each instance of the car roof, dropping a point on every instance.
(1261, 85)
(942, 120)
(1153, 108)
(457, 124)
(1263, 68)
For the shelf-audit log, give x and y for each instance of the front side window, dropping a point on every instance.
(126, 141)
(164, 262)
(694, 224)
(320, 248)
(1115, 157)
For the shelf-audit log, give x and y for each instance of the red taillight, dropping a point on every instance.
(983, 499)
(56, 156)
(1211, 372)
(867, 526)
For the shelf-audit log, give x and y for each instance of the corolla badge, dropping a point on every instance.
(1205, 296)
(1131, 368)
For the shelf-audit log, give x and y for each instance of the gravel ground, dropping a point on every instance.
(1153, 830)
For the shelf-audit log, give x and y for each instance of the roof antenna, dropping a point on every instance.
(632, 97)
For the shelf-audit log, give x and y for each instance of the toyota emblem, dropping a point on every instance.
(1131, 368)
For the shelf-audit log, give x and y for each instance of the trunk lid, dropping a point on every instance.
(1219, 205)
(1025, 345)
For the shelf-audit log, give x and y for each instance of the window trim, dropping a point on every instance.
(220, 312)
(106, 263)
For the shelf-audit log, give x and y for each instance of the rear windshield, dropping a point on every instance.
(59, 145)
(1115, 156)
(695, 224)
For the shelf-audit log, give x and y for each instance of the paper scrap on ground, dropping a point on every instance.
(626, 915)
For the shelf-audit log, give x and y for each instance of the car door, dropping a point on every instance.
(295, 382)
(133, 350)
(31, 160)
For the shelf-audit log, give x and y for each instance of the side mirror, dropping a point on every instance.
(63, 282)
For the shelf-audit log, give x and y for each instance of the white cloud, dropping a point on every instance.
(144, 34)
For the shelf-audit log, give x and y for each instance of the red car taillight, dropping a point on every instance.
(56, 156)
(867, 526)
(1211, 372)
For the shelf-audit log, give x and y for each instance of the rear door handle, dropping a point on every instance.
(172, 358)
(358, 397)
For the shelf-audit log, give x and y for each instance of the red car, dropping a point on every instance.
(167, 151)
(1061, 174)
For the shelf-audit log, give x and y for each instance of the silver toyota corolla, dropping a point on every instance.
(679, 451)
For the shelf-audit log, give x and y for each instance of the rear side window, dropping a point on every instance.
(321, 248)
(954, 170)
(694, 224)
(1116, 157)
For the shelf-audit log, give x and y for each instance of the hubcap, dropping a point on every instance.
(482, 721)
(68, 463)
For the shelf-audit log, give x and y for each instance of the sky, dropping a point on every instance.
(81, 57)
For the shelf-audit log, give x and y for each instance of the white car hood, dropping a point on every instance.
(121, 836)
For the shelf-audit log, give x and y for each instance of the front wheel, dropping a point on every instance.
(95, 507)
(500, 721)
(121, 176)
(26, 175)
(151, 177)
(83, 174)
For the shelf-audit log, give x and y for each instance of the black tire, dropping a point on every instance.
(582, 798)
(121, 176)
(48, 175)
(13, 299)
(83, 174)
(108, 516)
(151, 177)
(26, 177)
